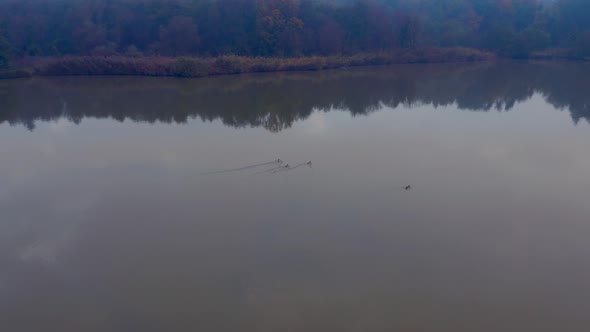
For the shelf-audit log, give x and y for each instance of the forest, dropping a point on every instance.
(289, 28)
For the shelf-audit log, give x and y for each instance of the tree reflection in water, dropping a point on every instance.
(276, 101)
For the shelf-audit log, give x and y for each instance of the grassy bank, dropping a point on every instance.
(558, 54)
(227, 65)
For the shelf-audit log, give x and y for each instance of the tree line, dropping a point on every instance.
(287, 28)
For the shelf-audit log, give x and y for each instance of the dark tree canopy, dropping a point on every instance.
(4, 51)
(288, 27)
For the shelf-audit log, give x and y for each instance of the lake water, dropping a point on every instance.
(127, 204)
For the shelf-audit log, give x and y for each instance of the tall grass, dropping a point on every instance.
(229, 64)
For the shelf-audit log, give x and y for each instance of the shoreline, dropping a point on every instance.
(192, 67)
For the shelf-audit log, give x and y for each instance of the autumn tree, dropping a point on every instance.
(279, 27)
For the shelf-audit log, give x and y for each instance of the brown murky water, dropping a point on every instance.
(115, 215)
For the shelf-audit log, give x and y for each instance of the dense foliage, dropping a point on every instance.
(287, 27)
(5, 50)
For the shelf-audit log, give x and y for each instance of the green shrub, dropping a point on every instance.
(18, 73)
(187, 67)
(228, 65)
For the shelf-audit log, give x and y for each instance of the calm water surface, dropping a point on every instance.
(114, 215)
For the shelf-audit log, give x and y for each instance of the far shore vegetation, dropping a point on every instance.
(194, 38)
(231, 64)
